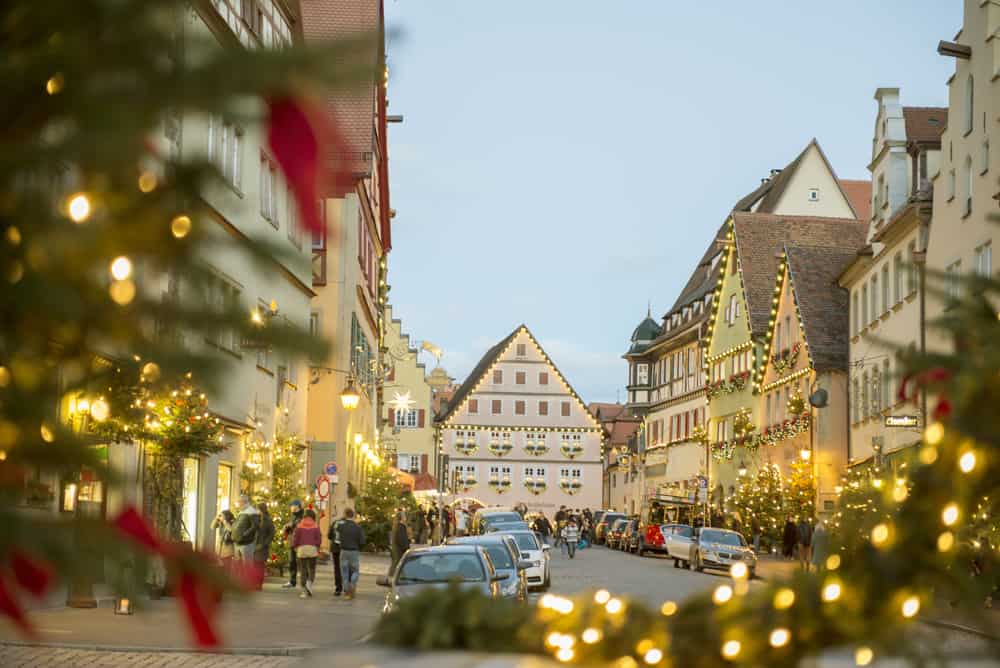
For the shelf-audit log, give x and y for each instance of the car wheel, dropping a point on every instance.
(677, 563)
(753, 573)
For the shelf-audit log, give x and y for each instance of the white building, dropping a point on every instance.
(517, 432)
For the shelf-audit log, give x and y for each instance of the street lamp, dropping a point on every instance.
(350, 398)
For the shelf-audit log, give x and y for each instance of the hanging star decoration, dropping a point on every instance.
(402, 402)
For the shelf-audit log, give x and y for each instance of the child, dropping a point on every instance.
(571, 536)
(305, 542)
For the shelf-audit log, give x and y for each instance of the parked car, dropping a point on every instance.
(720, 548)
(487, 516)
(493, 527)
(536, 554)
(614, 533)
(607, 521)
(677, 539)
(506, 559)
(437, 567)
(629, 536)
(649, 538)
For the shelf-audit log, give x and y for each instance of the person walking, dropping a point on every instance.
(543, 527)
(289, 528)
(333, 535)
(804, 530)
(789, 538)
(223, 524)
(262, 548)
(245, 530)
(420, 530)
(446, 518)
(571, 536)
(755, 533)
(461, 522)
(306, 540)
(820, 545)
(400, 541)
(352, 539)
(432, 519)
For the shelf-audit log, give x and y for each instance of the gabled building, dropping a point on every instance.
(806, 353)
(886, 295)
(516, 432)
(620, 463)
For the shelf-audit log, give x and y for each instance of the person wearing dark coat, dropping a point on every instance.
(789, 539)
(333, 536)
(262, 549)
(400, 541)
(420, 530)
(543, 527)
(298, 512)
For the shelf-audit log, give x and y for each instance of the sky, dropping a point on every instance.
(563, 164)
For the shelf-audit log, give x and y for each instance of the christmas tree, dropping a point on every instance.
(95, 218)
(800, 492)
(286, 483)
(761, 497)
(379, 499)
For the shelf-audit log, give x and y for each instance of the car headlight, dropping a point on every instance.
(708, 554)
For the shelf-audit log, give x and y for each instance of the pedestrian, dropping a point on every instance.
(820, 544)
(804, 529)
(306, 540)
(571, 536)
(789, 538)
(223, 524)
(755, 533)
(333, 535)
(297, 514)
(352, 539)
(432, 516)
(461, 522)
(245, 530)
(400, 541)
(420, 530)
(560, 515)
(445, 523)
(543, 528)
(262, 549)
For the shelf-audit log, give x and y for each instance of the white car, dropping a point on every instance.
(536, 554)
(677, 539)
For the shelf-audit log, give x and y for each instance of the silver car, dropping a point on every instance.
(438, 567)
(720, 548)
(506, 559)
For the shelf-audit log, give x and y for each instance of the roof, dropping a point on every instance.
(621, 431)
(760, 239)
(477, 372)
(925, 124)
(644, 334)
(354, 109)
(823, 305)
(859, 194)
(424, 482)
(605, 412)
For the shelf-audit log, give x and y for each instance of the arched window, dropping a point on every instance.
(970, 99)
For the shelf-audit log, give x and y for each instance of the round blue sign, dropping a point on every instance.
(330, 468)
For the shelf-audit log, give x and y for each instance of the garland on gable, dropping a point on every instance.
(786, 359)
(735, 383)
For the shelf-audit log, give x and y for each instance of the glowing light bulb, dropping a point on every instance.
(910, 607)
(121, 268)
(614, 606)
(180, 226)
(668, 608)
(79, 207)
(147, 182)
(590, 636)
(831, 592)
(863, 656)
(950, 514)
(945, 541)
(653, 656)
(833, 562)
(967, 462)
(779, 637)
(934, 433)
(880, 534)
(122, 292)
(784, 598)
(722, 594)
(731, 649)
(738, 570)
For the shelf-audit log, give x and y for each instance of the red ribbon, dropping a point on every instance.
(33, 577)
(299, 138)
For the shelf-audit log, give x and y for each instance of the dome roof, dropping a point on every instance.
(647, 330)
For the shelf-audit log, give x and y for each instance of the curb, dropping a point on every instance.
(301, 650)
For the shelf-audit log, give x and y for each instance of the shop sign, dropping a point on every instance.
(902, 420)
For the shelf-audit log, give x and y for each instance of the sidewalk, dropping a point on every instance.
(274, 621)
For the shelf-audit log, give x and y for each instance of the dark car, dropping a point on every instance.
(601, 528)
(615, 531)
(506, 559)
(438, 567)
(486, 520)
(494, 527)
(630, 536)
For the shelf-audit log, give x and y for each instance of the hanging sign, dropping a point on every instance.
(322, 487)
(331, 471)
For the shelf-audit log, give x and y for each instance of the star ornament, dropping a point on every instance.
(402, 402)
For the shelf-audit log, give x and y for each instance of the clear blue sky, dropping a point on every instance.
(563, 162)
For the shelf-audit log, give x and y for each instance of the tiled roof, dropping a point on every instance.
(353, 110)
(477, 372)
(760, 239)
(823, 304)
(605, 412)
(621, 431)
(859, 194)
(925, 124)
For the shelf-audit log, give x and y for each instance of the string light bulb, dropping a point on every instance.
(950, 514)
(731, 649)
(863, 656)
(78, 207)
(779, 637)
(945, 541)
(180, 226)
(967, 462)
(121, 268)
(722, 594)
(831, 592)
(910, 607)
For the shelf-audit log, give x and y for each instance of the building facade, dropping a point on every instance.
(621, 476)
(887, 295)
(516, 432)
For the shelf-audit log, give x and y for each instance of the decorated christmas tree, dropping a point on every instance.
(286, 483)
(800, 491)
(761, 497)
(381, 496)
(96, 218)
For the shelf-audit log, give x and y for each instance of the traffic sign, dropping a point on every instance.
(322, 487)
(330, 468)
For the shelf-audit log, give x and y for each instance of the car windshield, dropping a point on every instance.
(501, 517)
(526, 541)
(441, 567)
(679, 530)
(508, 526)
(611, 518)
(499, 556)
(722, 537)
(618, 525)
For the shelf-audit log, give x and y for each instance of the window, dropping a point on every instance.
(911, 272)
(473, 406)
(268, 190)
(886, 389)
(362, 356)
(983, 259)
(864, 396)
(497, 407)
(642, 374)
(777, 337)
(319, 236)
(970, 99)
(897, 278)
(885, 287)
(874, 296)
(855, 412)
(292, 216)
(967, 185)
(733, 309)
(497, 377)
(953, 286)
(864, 306)
(280, 383)
(879, 200)
(519, 378)
(518, 407)
(224, 295)
(225, 149)
(876, 393)
(407, 418)
(408, 463)
(543, 378)
(543, 408)
(789, 334)
(521, 349)
(564, 409)
(814, 194)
